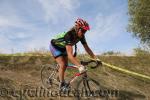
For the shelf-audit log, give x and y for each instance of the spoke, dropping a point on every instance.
(53, 73)
(93, 85)
(87, 82)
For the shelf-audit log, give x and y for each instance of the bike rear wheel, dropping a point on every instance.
(49, 76)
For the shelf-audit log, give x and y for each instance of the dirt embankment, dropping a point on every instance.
(20, 78)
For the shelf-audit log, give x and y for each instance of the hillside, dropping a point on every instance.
(22, 73)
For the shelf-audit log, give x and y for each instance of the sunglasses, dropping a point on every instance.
(83, 31)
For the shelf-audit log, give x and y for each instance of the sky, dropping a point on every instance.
(26, 25)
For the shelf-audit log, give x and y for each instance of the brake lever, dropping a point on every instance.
(99, 63)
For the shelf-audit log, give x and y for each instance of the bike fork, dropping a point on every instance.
(86, 85)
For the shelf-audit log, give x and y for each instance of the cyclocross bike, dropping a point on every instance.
(50, 80)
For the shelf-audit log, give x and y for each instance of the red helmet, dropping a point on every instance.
(83, 24)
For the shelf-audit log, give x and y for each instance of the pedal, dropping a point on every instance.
(65, 89)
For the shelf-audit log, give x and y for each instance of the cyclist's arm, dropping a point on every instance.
(89, 51)
(73, 59)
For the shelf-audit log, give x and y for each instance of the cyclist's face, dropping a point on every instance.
(81, 32)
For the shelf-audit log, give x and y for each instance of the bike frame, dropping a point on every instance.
(76, 75)
(52, 78)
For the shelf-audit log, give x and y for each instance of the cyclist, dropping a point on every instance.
(61, 48)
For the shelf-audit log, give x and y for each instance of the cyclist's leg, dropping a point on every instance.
(59, 74)
(62, 61)
(62, 65)
(66, 61)
(60, 58)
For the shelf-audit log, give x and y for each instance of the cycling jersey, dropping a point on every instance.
(67, 38)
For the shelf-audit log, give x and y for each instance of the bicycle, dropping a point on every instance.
(84, 87)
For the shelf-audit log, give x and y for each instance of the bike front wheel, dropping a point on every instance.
(88, 89)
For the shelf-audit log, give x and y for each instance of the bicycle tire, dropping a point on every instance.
(48, 76)
(85, 88)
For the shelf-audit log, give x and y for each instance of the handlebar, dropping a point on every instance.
(85, 63)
